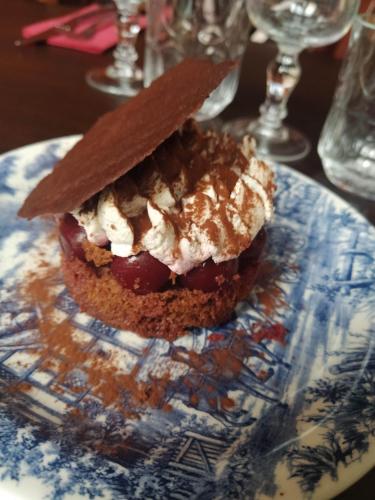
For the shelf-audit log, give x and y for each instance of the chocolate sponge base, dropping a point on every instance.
(166, 314)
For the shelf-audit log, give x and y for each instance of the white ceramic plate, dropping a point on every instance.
(303, 421)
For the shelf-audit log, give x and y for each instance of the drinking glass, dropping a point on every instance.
(347, 143)
(293, 25)
(214, 29)
(123, 76)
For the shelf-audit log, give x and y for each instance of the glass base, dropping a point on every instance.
(350, 177)
(288, 145)
(108, 80)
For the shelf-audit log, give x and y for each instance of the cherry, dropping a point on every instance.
(254, 252)
(141, 273)
(209, 276)
(71, 237)
(249, 272)
(250, 258)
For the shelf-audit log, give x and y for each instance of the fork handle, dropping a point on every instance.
(40, 37)
(65, 27)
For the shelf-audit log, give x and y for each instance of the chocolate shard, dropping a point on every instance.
(119, 140)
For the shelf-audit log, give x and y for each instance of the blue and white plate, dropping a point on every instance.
(303, 422)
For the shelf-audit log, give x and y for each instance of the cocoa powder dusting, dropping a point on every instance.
(211, 372)
(222, 363)
(62, 351)
(192, 162)
(269, 294)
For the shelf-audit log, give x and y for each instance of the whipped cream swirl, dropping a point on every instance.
(182, 222)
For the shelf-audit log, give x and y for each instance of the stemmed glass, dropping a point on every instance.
(293, 25)
(123, 76)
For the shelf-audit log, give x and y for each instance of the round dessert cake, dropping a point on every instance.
(165, 314)
(174, 243)
(160, 223)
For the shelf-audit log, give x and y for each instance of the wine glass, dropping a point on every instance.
(123, 76)
(293, 25)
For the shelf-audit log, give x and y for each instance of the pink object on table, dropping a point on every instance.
(105, 36)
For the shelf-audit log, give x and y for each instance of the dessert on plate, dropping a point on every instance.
(161, 223)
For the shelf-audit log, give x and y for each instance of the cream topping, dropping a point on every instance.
(216, 218)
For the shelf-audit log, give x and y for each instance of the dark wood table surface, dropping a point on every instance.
(43, 95)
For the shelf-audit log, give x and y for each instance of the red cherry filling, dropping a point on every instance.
(209, 276)
(249, 260)
(249, 273)
(144, 274)
(254, 252)
(141, 273)
(72, 236)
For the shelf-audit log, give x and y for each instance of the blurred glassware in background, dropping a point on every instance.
(347, 143)
(123, 76)
(215, 29)
(294, 25)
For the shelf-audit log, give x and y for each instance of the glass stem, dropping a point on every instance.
(125, 54)
(283, 74)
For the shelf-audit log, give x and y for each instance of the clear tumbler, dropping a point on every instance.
(217, 30)
(347, 142)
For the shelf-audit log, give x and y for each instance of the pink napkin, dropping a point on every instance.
(105, 36)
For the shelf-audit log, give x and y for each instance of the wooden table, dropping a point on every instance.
(43, 94)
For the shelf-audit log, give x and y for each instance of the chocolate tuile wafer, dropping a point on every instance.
(121, 139)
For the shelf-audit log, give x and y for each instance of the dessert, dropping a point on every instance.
(161, 225)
